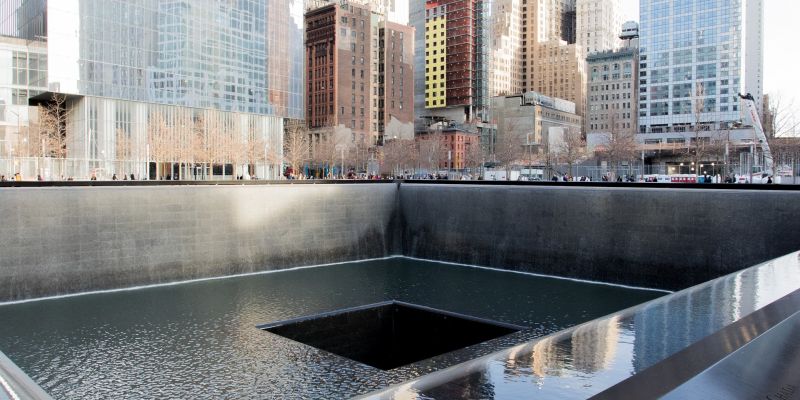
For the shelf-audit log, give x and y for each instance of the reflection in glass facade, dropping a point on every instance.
(236, 65)
(691, 55)
(243, 55)
(237, 55)
(24, 19)
(119, 136)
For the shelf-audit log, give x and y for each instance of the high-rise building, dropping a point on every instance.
(224, 74)
(451, 59)
(506, 48)
(538, 122)
(552, 63)
(613, 87)
(359, 72)
(754, 51)
(23, 74)
(597, 25)
(392, 10)
(396, 82)
(693, 65)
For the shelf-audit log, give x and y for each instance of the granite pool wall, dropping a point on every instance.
(62, 239)
(666, 237)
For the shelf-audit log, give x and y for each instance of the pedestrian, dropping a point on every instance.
(39, 178)
(2, 178)
(114, 177)
(769, 180)
(133, 178)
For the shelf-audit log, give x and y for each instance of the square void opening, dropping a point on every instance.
(390, 334)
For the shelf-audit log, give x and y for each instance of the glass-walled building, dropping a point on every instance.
(23, 73)
(243, 57)
(691, 65)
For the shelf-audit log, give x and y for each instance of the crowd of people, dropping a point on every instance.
(290, 174)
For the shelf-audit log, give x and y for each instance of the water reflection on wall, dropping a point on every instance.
(707, 309)
(474, 386)
(588, 349)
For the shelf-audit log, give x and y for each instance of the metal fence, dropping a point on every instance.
(15, 384)
(61, 169)
(787, 173)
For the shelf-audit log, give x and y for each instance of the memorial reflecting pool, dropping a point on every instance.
(199, 339)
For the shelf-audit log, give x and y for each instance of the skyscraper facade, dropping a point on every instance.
(754, 51)
(692, 65)
(187, 64)
(613, 87)
(552, 63)
(452, 54)
(359, 69)
(597, 25)
(506, 48)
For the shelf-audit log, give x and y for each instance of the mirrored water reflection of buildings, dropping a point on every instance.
(115, 63)
(691, 318)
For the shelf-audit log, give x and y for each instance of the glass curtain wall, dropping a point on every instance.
(109, 137)
(243, 56)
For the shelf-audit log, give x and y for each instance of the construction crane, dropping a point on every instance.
(750, 117)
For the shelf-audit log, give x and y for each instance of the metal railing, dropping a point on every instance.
(62, 169)
(16, 385)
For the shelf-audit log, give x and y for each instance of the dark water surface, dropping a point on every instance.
(199, 339)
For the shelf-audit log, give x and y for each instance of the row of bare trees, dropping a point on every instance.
(191, 141)
(567, 148)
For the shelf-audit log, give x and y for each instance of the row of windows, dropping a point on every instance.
(434, 43)
(29, 69)
(619, 125)
(685, 107)
(610, 86)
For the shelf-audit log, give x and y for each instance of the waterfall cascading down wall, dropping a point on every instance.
(61, 240)
(658, 237)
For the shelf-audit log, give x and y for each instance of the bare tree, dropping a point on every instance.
(158, 140)
(391, 157)
(784, 118)
(124, 148)
(53, 126)
(256, 153)
(698, 149)
(296, 147)
(509, 150)
(432, 150)
(786, 153)
(474, 156)
(234, 146)
(326, 150)
(572, 148)
(217, 143)
(399, 156)
(619, 147)
(358, 152)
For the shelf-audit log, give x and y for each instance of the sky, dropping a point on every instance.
(781, 59)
